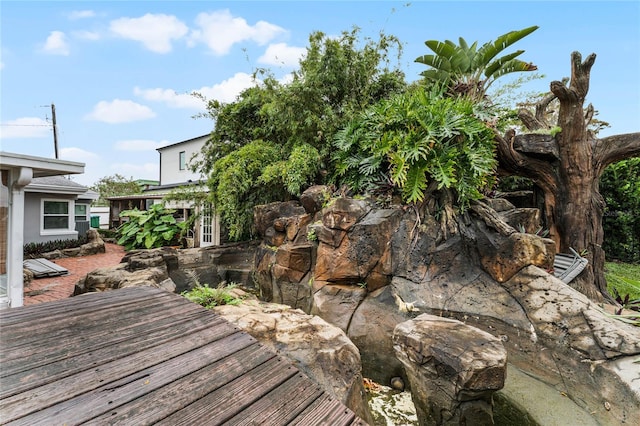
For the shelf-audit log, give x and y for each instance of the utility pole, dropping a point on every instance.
(55, 128)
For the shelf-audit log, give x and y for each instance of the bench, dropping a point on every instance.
(568, 266)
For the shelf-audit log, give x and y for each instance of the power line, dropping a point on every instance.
(25, 125)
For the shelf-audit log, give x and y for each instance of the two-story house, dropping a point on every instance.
(175, 173)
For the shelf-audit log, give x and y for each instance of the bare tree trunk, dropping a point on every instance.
(567, 168)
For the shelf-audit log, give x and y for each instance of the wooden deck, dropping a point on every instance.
(144, 356)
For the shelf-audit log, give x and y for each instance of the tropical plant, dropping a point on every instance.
(274, 141)
(210, 297)
(422, 142)
(469, 70)
(152, 228)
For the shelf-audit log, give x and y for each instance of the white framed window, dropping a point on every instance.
(57, 216)
(80, 212)
(182, 160)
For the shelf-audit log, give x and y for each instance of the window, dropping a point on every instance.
(55, 215)
(81, 212)
(183, 162)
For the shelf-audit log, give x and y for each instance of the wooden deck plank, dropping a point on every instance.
(278, 407)
(138, 390)
(82, 314)
(28, 378)
(55, 392)
(227, 401)
(326, 411)
(79, 339)
(181, 393)
(145, 356)
(79, 305)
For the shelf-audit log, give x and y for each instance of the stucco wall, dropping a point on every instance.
(170, 161)
(32, 212)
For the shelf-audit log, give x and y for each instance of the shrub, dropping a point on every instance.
(32, 250)
(620, 187)
(152, 228)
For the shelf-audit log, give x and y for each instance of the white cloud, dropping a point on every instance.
(139, 145)
(56, 44)
(169, 97)
(77, 154)
(220, 30)
(25, 127)
(81, 14)
(223, 92)
(137, 171)
(281, 54)
(155, 32)
(119, 111)
(86, 35)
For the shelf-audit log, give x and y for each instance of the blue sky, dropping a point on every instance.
(120, 72)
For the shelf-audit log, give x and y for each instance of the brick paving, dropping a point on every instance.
(55, 288)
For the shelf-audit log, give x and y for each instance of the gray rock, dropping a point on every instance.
(453, 369)
(317, 348)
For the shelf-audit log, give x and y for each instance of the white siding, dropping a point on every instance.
(170, 161)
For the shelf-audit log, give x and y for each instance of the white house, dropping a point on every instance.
(174, 173)
(18, 171)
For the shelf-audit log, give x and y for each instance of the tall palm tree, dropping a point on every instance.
(469, 71)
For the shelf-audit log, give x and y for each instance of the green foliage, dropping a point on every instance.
(416, 139)
(469, 70)
(33, 250)
(311, 235)
(152, 228)
(620, 187)
(236, 185)
(111, 186)
(623, 279)
(209, 297)
(274, 141)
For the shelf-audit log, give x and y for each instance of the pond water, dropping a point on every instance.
(390, 407)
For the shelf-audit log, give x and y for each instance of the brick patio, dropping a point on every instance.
(56, 288)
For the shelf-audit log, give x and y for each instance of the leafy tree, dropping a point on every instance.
(469, 70)
(237, 187)
(111, 186)
(422, 142)
(620, 187)
(278, 136)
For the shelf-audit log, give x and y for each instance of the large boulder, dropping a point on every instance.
(264, 216)
(94, 244)
(317, 348)
(453, 369)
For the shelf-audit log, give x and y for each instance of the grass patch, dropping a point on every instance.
(623, 278)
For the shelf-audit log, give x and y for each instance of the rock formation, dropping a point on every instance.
(317, 348)
(369, 267)
(453, 369)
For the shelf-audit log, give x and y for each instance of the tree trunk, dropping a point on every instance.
(569, 176)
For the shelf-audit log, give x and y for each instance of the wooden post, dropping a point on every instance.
(55, 129)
